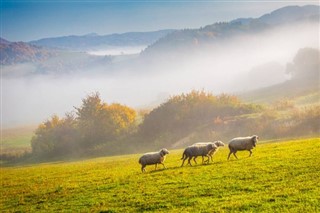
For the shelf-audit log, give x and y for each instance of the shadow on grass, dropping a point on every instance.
(151, 171)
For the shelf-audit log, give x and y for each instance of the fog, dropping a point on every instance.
(117, 50)
(229, 66)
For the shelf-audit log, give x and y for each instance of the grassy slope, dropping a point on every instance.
(301, 93)
(279, 177)
(16, 138)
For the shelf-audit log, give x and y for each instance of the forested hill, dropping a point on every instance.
(193, 38)
(20, 52)
(95, 41)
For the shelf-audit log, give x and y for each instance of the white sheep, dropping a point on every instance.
(151, 158)
(242, 143)
(213, 151)
(197, 150)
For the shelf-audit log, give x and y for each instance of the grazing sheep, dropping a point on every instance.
(242, 143)
(213, 151)
(197, 150)
(151, 158)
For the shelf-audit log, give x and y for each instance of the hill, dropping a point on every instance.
(303, 87)
(93, 41)
(21, 52)
(21, 59)
(190, 39)
(304, 95)
(65, 55)
(280, 176)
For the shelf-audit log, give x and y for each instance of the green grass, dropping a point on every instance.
(279, 177)
(16, 140)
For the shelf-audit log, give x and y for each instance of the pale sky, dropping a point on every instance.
(35, 19)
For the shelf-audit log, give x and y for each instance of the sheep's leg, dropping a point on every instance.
(211, 158)
(229, 155)
(143, 168)
(156, 166)
(194, 159)
(235, 155)
(189, 161)
(183, 161)
(250, 153)
(163, 165)
(208, 160)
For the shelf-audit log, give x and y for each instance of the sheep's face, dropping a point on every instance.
(255, 140)
(164, 151)
(219, 143)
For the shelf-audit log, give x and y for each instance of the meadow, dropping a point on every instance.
(281, 176)
(15, 138)
(15, 142)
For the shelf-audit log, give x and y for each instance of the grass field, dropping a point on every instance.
(16, 138)
(279, 177)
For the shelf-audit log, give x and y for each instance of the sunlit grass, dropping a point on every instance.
(279, 177)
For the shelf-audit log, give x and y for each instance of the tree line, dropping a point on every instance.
(97, 128)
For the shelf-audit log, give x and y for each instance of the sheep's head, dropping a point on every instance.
(211, 146)
(219, 143)
(255, 140)
(164, 152)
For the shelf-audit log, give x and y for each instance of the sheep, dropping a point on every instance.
(213, 151)
(197, 150)
(242, 143)
(151, 158)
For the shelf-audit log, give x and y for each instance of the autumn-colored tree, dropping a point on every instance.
(95, 123)
(56, 136)
(99, 122)
(183, 114)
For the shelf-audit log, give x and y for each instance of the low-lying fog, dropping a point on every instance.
(239, 64)
(114, 51)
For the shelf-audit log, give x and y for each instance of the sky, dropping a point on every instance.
(24, 20)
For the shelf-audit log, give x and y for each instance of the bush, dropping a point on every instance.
(95, 123)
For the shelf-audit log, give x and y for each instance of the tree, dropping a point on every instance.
(95, 123)
(100, 122)
(183, 114)
(56, 136)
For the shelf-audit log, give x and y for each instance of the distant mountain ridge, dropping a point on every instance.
(285, 15)
(189, 38)
(95, 41)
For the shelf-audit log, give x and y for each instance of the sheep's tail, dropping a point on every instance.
(140, 160)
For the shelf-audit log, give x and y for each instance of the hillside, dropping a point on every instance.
(21, 59)
(21, 52)
(94, 41)
(303, 87)
(280, 176)
(190, 39)
(303, 95)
